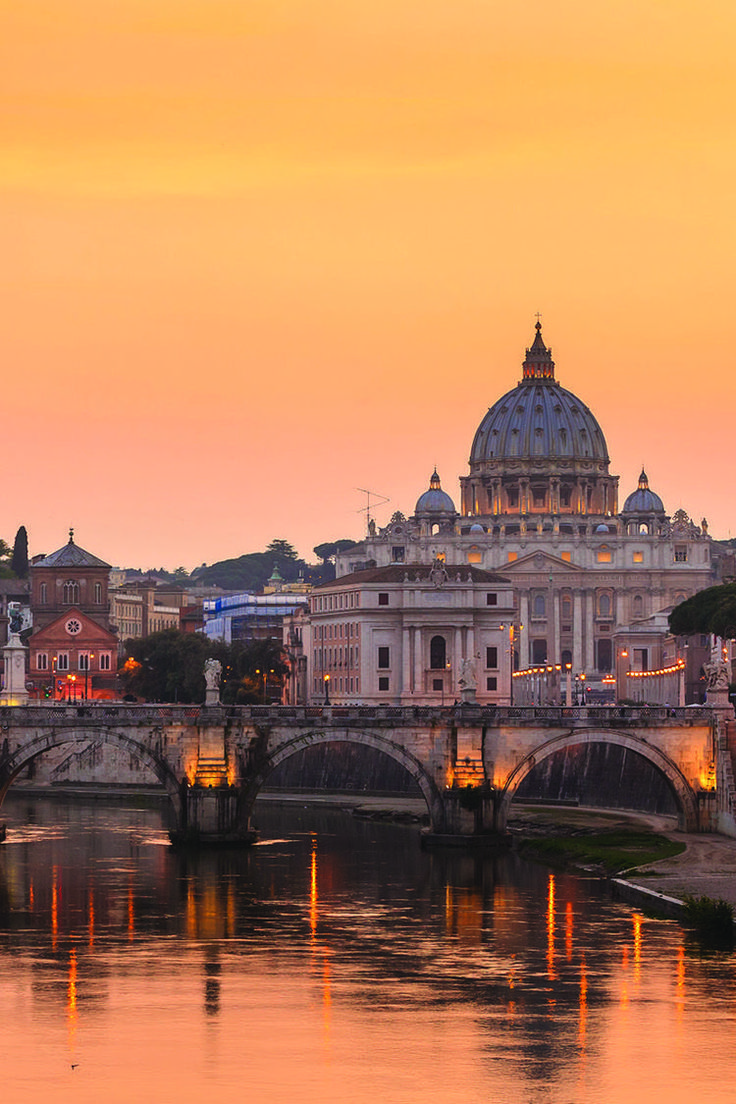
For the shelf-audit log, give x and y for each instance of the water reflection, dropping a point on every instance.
(337, 959)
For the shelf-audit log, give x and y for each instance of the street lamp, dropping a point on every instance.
(327, 689)
(53, 678)
(71, 687)
(90, 657)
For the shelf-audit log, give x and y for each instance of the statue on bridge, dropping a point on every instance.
(716, 675)
(212, 674)
(468, 681)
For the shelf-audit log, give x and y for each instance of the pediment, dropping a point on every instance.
(89, 629)
(540, 561)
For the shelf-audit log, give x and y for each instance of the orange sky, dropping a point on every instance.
(259, 253)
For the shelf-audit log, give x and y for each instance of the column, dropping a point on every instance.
(418, 665)
(524, 631)
(556, 650)
(406, 660)
(457, 656)
(589, 622)
(577, 632)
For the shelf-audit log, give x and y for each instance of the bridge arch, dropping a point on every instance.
(685, 797)
(399, 754)
(13, 763)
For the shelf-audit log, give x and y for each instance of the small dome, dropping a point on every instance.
(602, 529)
(476, 528)
(435, 500)
(642, 500)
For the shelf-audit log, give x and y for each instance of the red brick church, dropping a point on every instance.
(73, 650)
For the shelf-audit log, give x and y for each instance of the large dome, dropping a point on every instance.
(539, 419)
(539, 450)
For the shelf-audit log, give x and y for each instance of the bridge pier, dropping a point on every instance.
(213, 816)
(470, 819)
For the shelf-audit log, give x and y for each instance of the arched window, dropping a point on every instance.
(638, 605)
(604, 605)
(566, 607)
(98, 593)
(71, 593)
(643, 527)
(437, 653)
(540, 606)
(43, 594)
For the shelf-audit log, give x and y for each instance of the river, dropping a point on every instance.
(335, 961)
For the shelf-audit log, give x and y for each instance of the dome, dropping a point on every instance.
(538, 418)
(642, 500)
(602, 529)
(435, 500)
(476, 528)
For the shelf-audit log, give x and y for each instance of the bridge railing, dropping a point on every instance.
(95, 714)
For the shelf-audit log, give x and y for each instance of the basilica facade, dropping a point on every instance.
(539, 509)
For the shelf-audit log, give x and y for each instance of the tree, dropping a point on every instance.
(327, 551)
(19, 562)
(710, 611)
(280, 547)
(168, 666)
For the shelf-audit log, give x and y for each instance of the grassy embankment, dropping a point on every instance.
(608, 852)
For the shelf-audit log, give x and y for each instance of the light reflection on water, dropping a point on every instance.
(335, 961)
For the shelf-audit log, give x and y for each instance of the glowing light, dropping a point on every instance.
(551, 926)
(568, 930)
(71, 999)
(313, 897)
(583, 1007)
(54, 907)
(90, 920)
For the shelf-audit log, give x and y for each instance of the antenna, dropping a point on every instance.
(380, 500)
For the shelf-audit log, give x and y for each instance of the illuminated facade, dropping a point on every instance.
(540, 506)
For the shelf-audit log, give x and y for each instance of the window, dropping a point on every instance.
(43, 594)
(383, 684)
(605, 655)
(83, 661)
(680, 553)
(638, 557)
(604, 556)
(566, 658)
(491, 599)
(492, 658)
(62, 661)
(641, 659)
(383, 658)
(104, 661)
(540, 606)
(397, 553)
(71, 593)
(566, 556)
(42, 661)
(474, 557)
(566, 607)
(638, 605)
(604, 606)
(539, 651)
(383, 599)
(437, 653)
(438, 684)
(98, 593)
(513, 556)
(492, 683)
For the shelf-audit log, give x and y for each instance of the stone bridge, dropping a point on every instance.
(468, 761)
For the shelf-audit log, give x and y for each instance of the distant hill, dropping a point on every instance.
(253, 570)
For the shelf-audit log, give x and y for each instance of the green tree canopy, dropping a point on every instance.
(168, 666)
(280, 547)
(19, 562)
(710, 611)
(330, 549)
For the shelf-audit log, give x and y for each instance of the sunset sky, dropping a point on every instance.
(257, 254)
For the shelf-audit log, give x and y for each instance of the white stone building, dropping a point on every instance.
(420, 635)
(540, 507)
